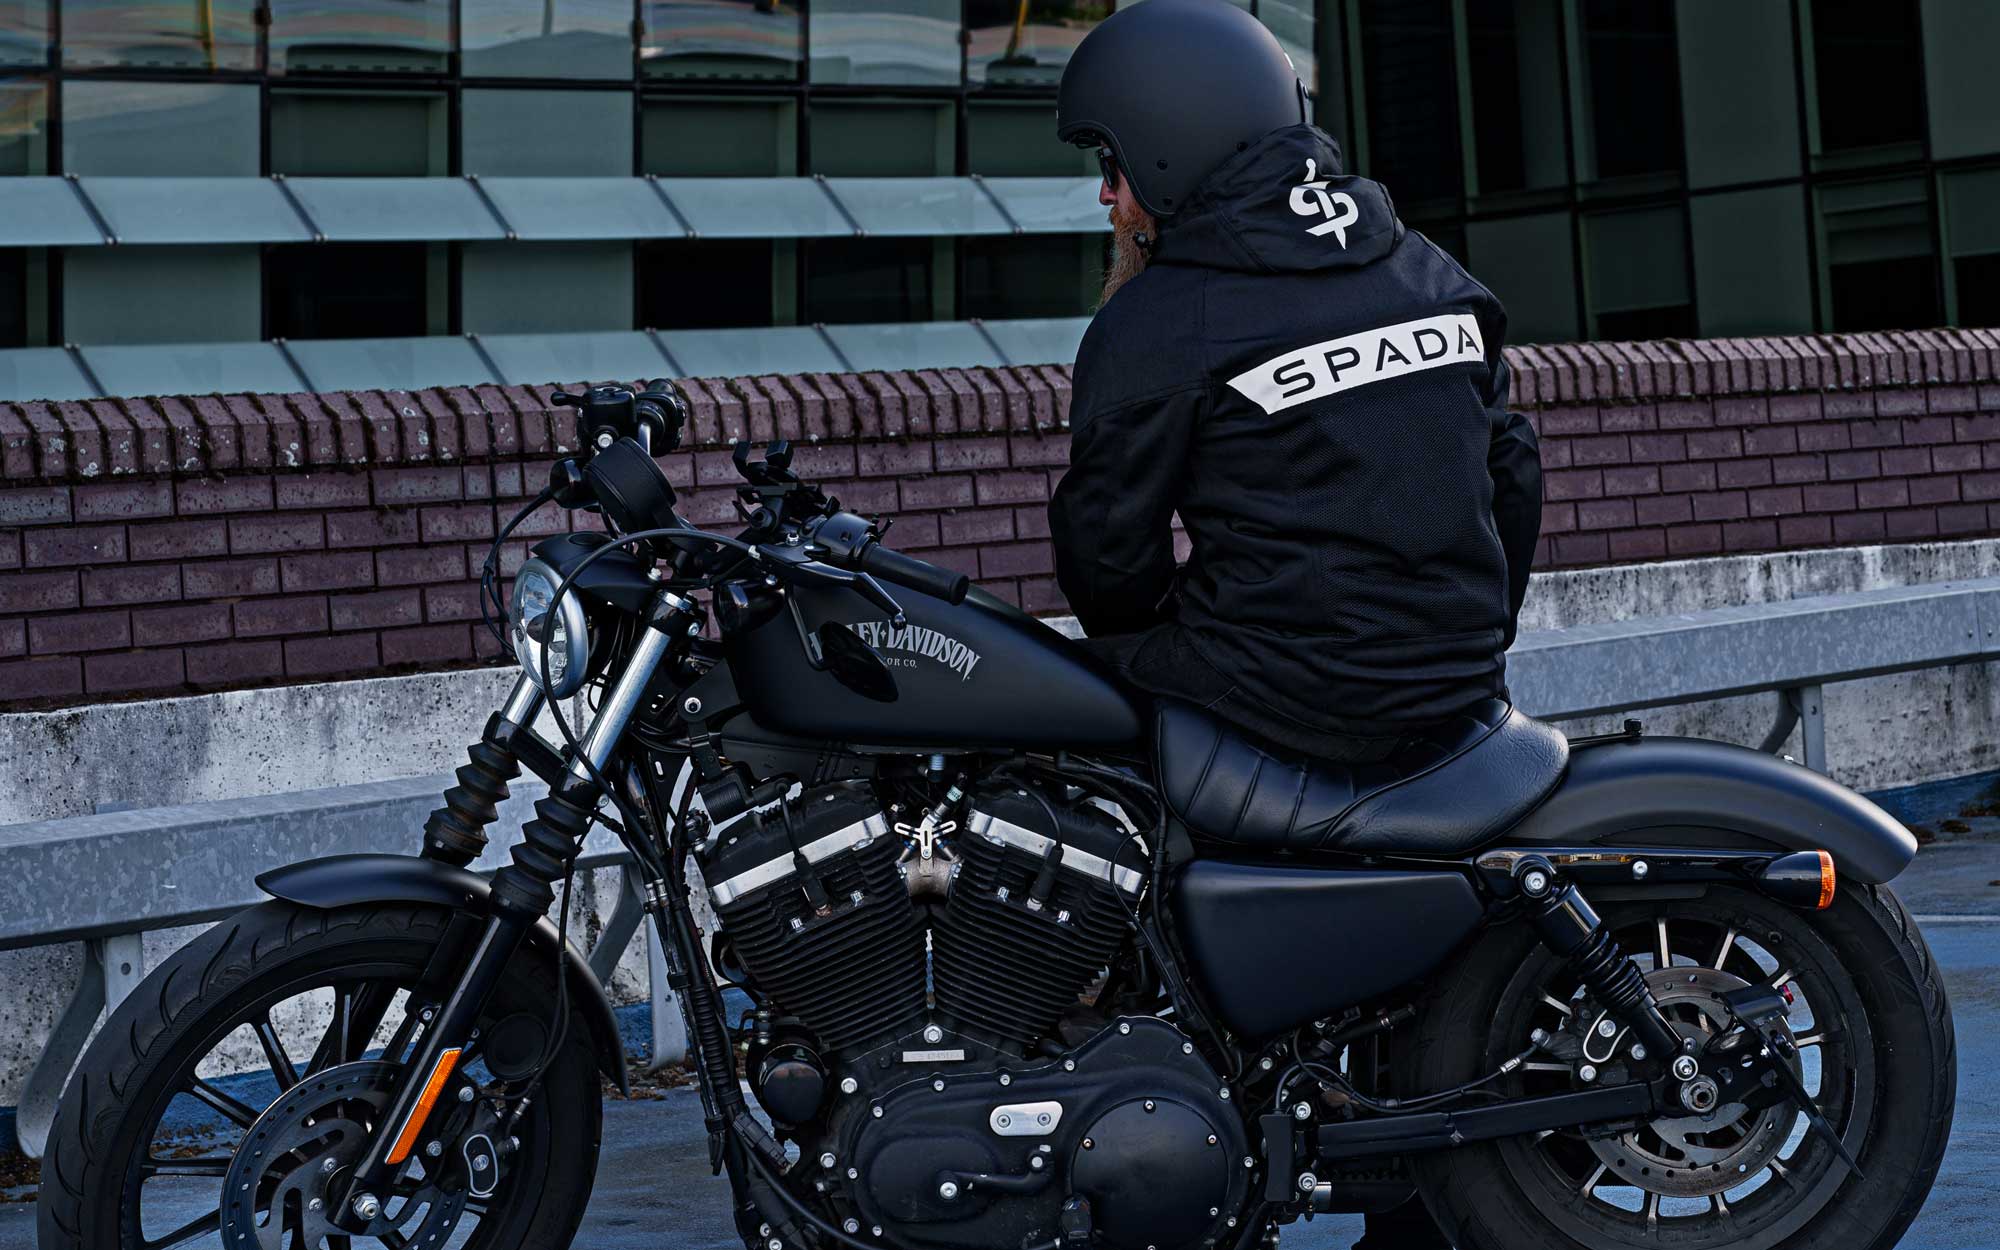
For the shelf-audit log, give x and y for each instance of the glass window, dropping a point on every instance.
(348, 290)
(1959, 39)
(1292, 21)
(154, 294)
(904, 42)
(345, 134)
(716, 138)
(1751, 271)
(723, 39)
(1637, 262)
(14, 297)
(364, 36)
(1630, 110)
(869, 280)
(692, 283)
(1878, 257)
(881, 140)
(24, 127)
(547, 38)
(1026, 44)
(1051, 275)
(1867, 78)
(1972, 236)
(1528, 263)
(1018, 138)
(1514, 67)
(546, 133)
(176, 34)
(1411, 102)
(1736, 63)
(544, 288)
(144, 128)
(24, 32)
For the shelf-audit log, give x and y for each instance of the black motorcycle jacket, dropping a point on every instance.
(1319, 393)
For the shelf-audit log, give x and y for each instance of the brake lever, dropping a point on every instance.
(810, 572)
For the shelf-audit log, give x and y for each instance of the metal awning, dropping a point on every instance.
(1052, 205)
(391, 210)
(49, 373)
(750, 352)
(920, 206)
(757, 208)
(926, 345)
(193, 369)
(44, 212)
(534, 359)
(1038, 340)
(583, 208)
(195, 210)
(389, 364)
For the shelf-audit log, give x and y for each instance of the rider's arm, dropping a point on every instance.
(1514, 460)
(1112, 515)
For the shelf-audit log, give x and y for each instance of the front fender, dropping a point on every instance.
(352, 880)
(1688, 792)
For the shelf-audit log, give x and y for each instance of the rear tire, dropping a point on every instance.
(1895, 1112)
(92, 1193)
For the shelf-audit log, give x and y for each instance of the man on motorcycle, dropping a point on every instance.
(1316, 390)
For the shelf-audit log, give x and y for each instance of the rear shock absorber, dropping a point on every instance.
(1571, 928)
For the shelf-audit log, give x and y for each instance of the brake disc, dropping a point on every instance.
(1694, 1156)
(281, 1182)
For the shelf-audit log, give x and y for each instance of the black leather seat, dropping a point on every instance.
(1450, 791)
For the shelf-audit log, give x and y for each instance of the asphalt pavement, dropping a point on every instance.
(654, 1189)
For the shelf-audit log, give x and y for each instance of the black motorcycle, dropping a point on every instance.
(1029, 965)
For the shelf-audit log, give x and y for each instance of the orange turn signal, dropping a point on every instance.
(1826, 880)
(406, 1140)
(1802, 879)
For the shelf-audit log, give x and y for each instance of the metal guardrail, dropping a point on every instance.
(184, 865)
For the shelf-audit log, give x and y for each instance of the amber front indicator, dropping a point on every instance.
(406, 1140)
(1802, 879)
(1826, 880)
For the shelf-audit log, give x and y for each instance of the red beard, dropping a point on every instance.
(1132, 236)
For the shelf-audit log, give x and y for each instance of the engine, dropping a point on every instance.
(925, 971)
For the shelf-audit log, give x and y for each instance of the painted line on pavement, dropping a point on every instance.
(1920, 919)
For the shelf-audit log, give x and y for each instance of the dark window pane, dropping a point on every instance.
(702, 283)
(347, 290)
(1868, 73)
(24, 32)
(375, 36)
(849, 280)
(1412, 99)
(1018, 139)
(1885, 295)
(1647, 323)
(337, 134)
(909, 42)
(547, 38)
(1294, 22)
(881, 140)
(1634, 93)
(173, 129)
(715, 138)
(197, 34)
(1056, 275)
(1978, 290)
(1514, 55)
(723, 39)
(1449, 237)
(13, 297)
(24, 128)
(1013, 44)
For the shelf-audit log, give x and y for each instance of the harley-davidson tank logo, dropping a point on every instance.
(917, 640)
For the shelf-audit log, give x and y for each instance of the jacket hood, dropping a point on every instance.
(1282, 205)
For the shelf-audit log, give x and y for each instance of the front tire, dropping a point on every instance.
(114, 1137)
(1886, 1065)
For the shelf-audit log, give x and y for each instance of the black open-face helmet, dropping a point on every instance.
(1172, 88)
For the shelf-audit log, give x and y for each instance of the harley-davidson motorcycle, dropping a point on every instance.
(1029, 963)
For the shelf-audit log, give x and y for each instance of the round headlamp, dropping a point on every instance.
(535, 623)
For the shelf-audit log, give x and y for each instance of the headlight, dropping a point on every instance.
(565, 630)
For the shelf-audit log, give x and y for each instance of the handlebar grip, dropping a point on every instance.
(894, 566)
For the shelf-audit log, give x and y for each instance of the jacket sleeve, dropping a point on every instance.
(1514, 460)
(1112, 516)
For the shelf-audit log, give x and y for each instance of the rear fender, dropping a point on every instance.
(352, 880)
(1675, 792)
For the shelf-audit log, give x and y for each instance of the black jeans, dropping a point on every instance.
(1166, 661)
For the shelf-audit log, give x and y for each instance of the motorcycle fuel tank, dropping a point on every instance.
(978, 674)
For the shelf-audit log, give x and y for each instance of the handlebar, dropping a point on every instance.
(893, 566)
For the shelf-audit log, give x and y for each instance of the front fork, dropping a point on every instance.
(523, 890)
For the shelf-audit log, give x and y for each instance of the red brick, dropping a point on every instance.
(1729, 505)
(1650, 448)
(1028, 451)
(1556, 453)
(1876, 433)
(1574, 549)
(143, 583)
(1573, 484)
(35, 505)
(1558, 518)
(13, 639)
(1638, 545)
(452, 603)
(1041, 595)
(84, 631)
(10, 549)
(1777, 501)
(1830, 497)
(189, 622)
(1776, 440)
(78, 545)
(1742, 410)
(1688, 477)
(1604, 514)
(458, 524)
(337, 570)
(917, 530)
(1694, 540)
(1688, 414)
(954, 491)
(1961, 518)
(884, 459)
(1903, 402)
(224, 494)
(133, 670)
(262, 617)
(1711, 445)
(1925, 490)
(429, 485)
(1017, 560)
(1632, 480)
(51, 678)
(1567, 421)
(1749, 535)
(1849, 405)
(419, 565)
(429, 644)
(1737, 474)
(1958, 459)
(1663, 510)
(275, 532)
(1911, 523)
(1825, 436)
(1809, 406)
(38, 592)
(1951, 399)
(378, 609)
(1602, 450)
(971, 453)
(1859, 527)
(1926, 430)
(1894, 493)
(222, 579)
(1844, 465)
(1805, 531)
(1031, 522)
(235, 663)
(1983, 428)
(179, 540)
(1014, 486)
(376, 527)
(324, 490)
(341, 653)
(1905, 461)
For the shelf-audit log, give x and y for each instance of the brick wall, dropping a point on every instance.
(151, 546)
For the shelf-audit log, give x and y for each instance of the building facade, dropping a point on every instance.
(319, 194)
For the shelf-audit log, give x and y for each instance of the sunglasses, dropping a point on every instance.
(1107, 164)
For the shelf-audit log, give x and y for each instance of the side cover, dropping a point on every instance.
(1687, 792)
(346, 880)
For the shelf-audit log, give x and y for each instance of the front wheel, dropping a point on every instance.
(229, 1094)
(1877, 1052)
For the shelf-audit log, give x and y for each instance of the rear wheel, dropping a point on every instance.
(1874, 1035)
(164, 1139)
